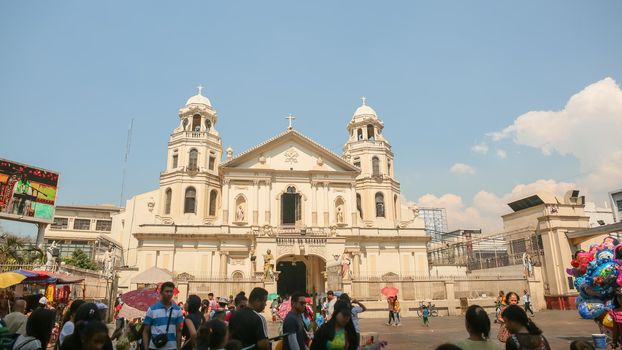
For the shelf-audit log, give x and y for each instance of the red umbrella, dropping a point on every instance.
(389, 291)
(141, 299)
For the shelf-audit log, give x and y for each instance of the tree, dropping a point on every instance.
(79, 259)
(10, 247)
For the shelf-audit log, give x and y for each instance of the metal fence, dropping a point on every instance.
(222, 287)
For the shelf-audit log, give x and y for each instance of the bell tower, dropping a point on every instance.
(190, 184)
(377, 190)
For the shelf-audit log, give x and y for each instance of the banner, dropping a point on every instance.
(27, 193)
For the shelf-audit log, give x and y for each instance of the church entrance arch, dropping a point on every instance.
(301, 273)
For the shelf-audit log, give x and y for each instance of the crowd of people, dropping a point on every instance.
(238, 323)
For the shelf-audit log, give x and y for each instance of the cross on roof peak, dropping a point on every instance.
(290, 117)
(364, 99)
(200, 87)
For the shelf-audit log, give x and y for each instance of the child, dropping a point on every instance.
(396, 312)
(524, 333)
(425, 312)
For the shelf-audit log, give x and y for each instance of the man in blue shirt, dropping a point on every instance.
(163, 317)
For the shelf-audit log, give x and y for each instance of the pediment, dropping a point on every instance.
(290, 151)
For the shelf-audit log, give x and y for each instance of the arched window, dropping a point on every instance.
(208, 124)
(359, 205)
(175, 159)
(168, 196)
(379, 205)
(370, 132)
(290, 207)
(185, 123)
(375, 166)
(359, 134)
(212, 202)
(193, 159)
(190, 200)
(196, 123)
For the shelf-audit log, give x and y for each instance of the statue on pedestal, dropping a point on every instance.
(268, 266)
(51, 253)
(108, 261)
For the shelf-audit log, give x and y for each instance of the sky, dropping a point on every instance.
(483, 101)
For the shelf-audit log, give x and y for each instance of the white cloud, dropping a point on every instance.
(480, 148)
(461, 168)
(502, 154)
(487, 207)
(588, 128)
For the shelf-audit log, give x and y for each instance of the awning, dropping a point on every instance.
(45, 277)
(153, 275)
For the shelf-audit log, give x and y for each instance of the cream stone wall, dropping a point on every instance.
(230, 246)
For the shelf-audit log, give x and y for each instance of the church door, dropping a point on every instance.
(290, 207)
(293, 277)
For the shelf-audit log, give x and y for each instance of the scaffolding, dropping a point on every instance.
(479, 251)
(435, 220)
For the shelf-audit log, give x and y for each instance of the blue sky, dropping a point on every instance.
(441, 74)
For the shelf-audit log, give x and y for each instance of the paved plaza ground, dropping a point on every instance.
(560, 328)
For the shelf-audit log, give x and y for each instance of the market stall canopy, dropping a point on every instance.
(45, 277)
(152, 275)
(8, 279)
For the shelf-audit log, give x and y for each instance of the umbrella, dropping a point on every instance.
(389, 291)
(130, 313)
(141, 299)
(285, 308)
(8, 279)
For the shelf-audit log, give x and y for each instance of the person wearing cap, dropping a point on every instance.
(221, 308)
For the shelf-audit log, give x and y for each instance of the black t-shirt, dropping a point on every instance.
(293, 324)
(197, 319)
(247, 326)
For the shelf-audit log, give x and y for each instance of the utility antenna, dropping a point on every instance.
(127, 153)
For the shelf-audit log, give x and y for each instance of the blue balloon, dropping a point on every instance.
(590, 309)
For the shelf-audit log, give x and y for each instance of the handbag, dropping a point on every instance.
(161, 339)
(503, 334)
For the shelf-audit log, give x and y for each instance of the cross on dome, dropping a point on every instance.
(364, 99)
(290, 117)
(200, 87)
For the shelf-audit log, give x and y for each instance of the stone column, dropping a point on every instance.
(326, 206)
(223, 264)
(356, 265)
(314, 204)
(268, 193)
(256, 209)
(225, 202)
(354, 215)
(450, 295)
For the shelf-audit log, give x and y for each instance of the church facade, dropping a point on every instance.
(288, 213)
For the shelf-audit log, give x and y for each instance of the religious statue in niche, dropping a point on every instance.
(268, 266)
(340, 215)
(239, 214)
(345, 266)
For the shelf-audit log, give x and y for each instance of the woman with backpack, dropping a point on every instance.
(524, 334)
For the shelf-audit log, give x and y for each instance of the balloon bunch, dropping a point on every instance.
(597, 275)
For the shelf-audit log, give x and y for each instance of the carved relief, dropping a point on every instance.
(284, 250)
(291, 156)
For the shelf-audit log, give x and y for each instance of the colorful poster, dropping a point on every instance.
(27, 193)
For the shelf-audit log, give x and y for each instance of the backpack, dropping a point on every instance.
(544, 345)
(7, 340)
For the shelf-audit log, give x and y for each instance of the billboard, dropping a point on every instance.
(27, 193)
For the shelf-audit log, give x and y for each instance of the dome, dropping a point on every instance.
(364, 109)
(199, 99)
